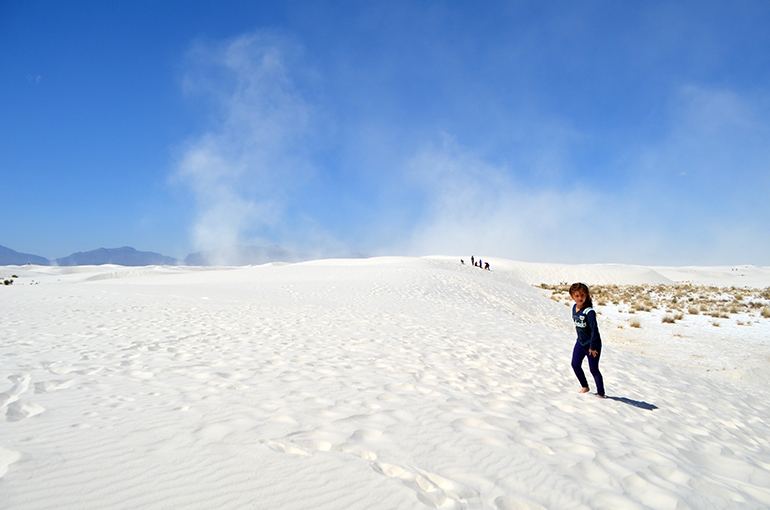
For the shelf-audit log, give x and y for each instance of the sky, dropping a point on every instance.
(572, 132)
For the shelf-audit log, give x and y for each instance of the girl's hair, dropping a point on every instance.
(582, 287)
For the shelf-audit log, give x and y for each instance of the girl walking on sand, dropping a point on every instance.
(589, 343)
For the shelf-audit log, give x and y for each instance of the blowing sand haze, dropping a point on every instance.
(374, 384)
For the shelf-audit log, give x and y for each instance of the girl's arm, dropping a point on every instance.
(596, 340)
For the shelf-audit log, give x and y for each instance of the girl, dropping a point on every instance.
(589, 343)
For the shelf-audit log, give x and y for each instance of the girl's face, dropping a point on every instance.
(579, 297)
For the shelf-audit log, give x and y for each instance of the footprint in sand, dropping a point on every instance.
(20, 385)
(18, 411)
(357, 442)
(7, 457)
(280, 447)
(507, 503)
(432, 489)
(49, 386)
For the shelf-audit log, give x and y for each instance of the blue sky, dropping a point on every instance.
(630, 132)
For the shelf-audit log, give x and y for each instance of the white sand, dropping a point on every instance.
(373, 384)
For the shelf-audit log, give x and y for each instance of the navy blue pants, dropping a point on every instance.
(578, 354)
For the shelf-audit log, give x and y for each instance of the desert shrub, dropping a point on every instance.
(677, 300)
(668, 320)
(635, 323)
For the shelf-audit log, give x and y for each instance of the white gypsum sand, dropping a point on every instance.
(375, 384)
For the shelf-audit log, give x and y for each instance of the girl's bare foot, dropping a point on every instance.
(584, 390)
(600, 396)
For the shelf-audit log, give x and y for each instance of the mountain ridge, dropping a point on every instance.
(9, 257)
(127, 256)
(123, 256)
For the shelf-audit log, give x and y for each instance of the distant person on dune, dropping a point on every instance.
(473, 262)
(486, 266)
(589, 343)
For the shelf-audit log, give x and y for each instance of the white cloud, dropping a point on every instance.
(241, 169)
(673, 201)
(659, 217)
(472, 206)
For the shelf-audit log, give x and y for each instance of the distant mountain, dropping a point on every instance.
(125, 256)
(9, 257)
(242, 256)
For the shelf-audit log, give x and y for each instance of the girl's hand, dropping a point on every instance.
(593, 353)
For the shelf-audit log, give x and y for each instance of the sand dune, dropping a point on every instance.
(375, 384)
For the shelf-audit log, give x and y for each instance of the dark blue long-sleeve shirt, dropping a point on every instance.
(587, 329)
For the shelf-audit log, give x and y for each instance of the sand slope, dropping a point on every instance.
(382, 383)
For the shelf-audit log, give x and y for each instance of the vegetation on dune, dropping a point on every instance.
(675, 300)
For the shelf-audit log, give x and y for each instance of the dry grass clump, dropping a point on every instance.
(717, 302)
(671, 319)
(559, 293)
(635, 323)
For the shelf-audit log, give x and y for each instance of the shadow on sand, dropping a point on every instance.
(635, 403)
